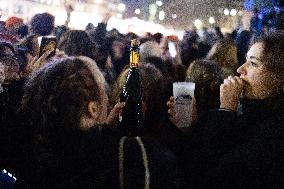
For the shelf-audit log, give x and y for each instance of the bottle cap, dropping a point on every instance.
(135, 42)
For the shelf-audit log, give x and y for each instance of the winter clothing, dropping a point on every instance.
(246, 151)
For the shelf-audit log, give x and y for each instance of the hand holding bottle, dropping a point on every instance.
(114, 113)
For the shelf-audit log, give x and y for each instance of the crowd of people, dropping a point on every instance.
(59, 115)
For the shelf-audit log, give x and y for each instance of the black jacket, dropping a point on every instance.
(91, 160)
(246, 151)
(10, 100)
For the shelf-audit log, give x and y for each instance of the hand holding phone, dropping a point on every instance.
(47, 43)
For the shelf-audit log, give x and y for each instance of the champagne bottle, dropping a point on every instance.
(131, 94)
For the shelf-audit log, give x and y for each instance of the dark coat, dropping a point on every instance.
(90, 160)
(246, 151)
(10, 100)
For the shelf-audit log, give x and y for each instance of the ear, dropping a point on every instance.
(93, 108)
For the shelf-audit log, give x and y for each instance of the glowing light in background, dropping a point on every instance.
(159, 3)
(3, 18)
(233, 12)
(211, 20)
(198, 23)
(121, 7)
(38, 10)
(3, 5)
(99, 1)
(56, 2)
(226, 12)
(137, 11)
(162, 15)
(119, 15)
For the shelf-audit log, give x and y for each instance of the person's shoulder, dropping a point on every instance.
(272, 127)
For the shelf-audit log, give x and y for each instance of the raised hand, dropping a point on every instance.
(112, 118)
(106, 17)
(37, 62)
(230, 93)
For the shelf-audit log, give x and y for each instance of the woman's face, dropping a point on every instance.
(260, 83)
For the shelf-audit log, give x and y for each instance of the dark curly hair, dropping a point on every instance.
(154, 92)
(57, 96)
(273, 56)
(207, 77)
(42, 24)
(77, 43)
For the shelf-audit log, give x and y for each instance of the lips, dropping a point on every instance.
(245, 85)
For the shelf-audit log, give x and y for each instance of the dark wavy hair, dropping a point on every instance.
(154, 92)
(273, 56)
(207, 77)
(42, 24)
(4, 45)
(77, 43)
(57, 96)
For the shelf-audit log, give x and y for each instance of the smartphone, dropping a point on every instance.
(46, 43)
(172, 49)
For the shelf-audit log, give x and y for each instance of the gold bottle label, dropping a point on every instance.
(134, 59)
(134, 56)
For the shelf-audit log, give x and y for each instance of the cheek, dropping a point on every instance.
(262, 86)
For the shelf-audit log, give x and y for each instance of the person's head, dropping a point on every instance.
(164, 47)
(180, 72)
(118, 49)
(24, 57)
(152, 83)
(76, 43)
(23, 31)
(31, 44)
(59, 31)
(158, 37)
(13, 24)
(224, 53)
(207, 77)
(90, 27)
(149, 49)
(65, 95)
(42, 24)
(263, 72)
(158, 63)
(9, 60)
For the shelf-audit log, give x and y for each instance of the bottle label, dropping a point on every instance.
(134, 59)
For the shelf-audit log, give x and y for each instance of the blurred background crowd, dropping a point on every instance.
(59, 113)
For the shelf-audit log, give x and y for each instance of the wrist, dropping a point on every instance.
(227, 107)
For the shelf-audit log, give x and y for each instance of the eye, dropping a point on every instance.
(253, 64)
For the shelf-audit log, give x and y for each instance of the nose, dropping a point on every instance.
(242, 69)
